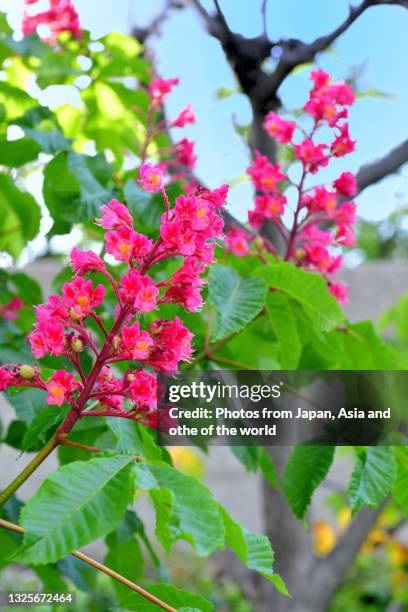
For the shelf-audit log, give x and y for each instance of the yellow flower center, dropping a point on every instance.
(125, 248)
(57, 391)
(83, 300)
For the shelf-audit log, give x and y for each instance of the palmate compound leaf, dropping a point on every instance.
(308, 289)
(306, 468)
(237, 300)
(74, 506)
(252, 549)
(185, 508)
(373, 476)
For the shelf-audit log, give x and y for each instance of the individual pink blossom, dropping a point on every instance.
(48, 338)
(237, 241)
(320, 78)
(270, 206)
(143, 388)
(312, 156)
(135, 341)
(159, 88)
(345, 236)
(172, 344)
(115, 214)
(339, 291)
(265, 176)
(318, 255)
(321, 200)
(342, 144)
(80, 297)
(186, 116)
(312, 233)
(217, 197)
(346, 184)
(123, 243)
(184, 153)
(151, 177)
(279, 128)
(139, 291)
(184, 287)
(55, 309)
(344, 94)
(86, 261)
(178, 236)
(346, 214)
(59, 387)
(323, 107)
(5, 379)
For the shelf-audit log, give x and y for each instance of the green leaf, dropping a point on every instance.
(362, 349)
(284, 326)
(19, 217)
(237, 300)
(39, 430)
(177, 498)
(125, 557)
(308, 289)
(401, 484)
(373, 476)
(75, 505)
(306, 468)
(252, 549)
(60, 190)
(87, 171)
(26, 402)
(268, 469)
(225, 92)
(133, 438)
(27, 288)
(171, 595)
(249, 456)
(16, 153)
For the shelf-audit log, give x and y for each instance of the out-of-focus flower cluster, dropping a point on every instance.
(61, 16)
(10, 311)
(323, 217)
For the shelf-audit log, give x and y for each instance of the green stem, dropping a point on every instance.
(28, 470)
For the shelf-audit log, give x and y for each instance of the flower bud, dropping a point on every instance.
(300, 255)
(77, 345)
(27, 372)
(116, 342)
(258, 244)
(75, 316)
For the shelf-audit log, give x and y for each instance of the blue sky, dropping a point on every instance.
(377, 44)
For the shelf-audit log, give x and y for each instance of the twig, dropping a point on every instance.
(28, 470)
(102, 568)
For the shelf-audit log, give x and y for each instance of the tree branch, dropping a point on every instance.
(102, 568)
(371, 173)
(142, 34)
(327, 574)
(296, 52)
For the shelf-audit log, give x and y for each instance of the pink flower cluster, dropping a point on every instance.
(188, 230)
(179, 160)
(324, 218)
(61, 16)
